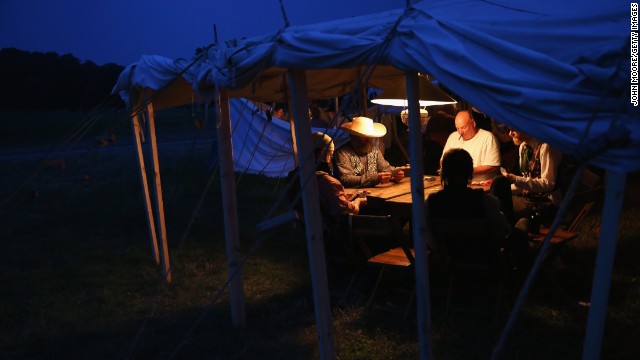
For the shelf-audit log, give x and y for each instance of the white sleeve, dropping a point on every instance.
(549, 160)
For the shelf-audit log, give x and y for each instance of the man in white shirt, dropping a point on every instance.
(479, 143)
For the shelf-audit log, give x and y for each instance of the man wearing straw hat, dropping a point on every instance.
(359, 163)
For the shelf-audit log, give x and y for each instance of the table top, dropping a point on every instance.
(393, 189)
(396, 196)
(401, 191)
(407, 198)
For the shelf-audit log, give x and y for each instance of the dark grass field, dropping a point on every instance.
(77, 278)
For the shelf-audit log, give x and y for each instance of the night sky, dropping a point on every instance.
(120, 31)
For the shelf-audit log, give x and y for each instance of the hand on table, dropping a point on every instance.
(398, 175)
(510, 178)
(384, 177)
(359, 203)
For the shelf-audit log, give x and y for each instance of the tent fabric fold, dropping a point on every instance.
(264, 147)
(260, 146)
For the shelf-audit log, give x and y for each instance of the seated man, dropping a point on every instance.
(334, 202)
(536, 190)
(359, 163)
(458, 201)
(479, 143)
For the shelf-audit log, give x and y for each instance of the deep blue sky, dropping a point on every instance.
(120, 31)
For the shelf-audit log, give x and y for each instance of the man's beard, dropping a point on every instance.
(362, 148)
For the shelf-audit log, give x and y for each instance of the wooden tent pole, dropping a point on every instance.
(614, 196)
(230, 210)
(164, 250)
(292, 125)
(294, 141)
(137, 133)
(418, 216)
(312, 218)
(337, 112)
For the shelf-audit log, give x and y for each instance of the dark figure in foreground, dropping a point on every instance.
(458, 201)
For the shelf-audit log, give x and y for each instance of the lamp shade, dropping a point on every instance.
(428, 94)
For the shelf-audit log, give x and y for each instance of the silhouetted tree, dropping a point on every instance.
(44, 81)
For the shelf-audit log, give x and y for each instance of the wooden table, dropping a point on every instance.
(402, 204)
(396, 199)
(392, 190)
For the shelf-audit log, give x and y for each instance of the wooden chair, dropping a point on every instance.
(476, 264)
(383, 249)
(590, 188)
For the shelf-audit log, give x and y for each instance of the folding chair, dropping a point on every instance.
(384, 250)
(476, 263)
(579, 207)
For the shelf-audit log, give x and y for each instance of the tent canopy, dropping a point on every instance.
(556, 70)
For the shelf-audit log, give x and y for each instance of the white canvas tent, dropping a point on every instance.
(260, 145)
(556, 70)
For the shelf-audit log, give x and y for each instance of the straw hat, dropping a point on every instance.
(363, 126)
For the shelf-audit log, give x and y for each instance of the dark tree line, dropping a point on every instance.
(48, 81)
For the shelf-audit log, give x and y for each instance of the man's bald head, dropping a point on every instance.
(465, 125)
